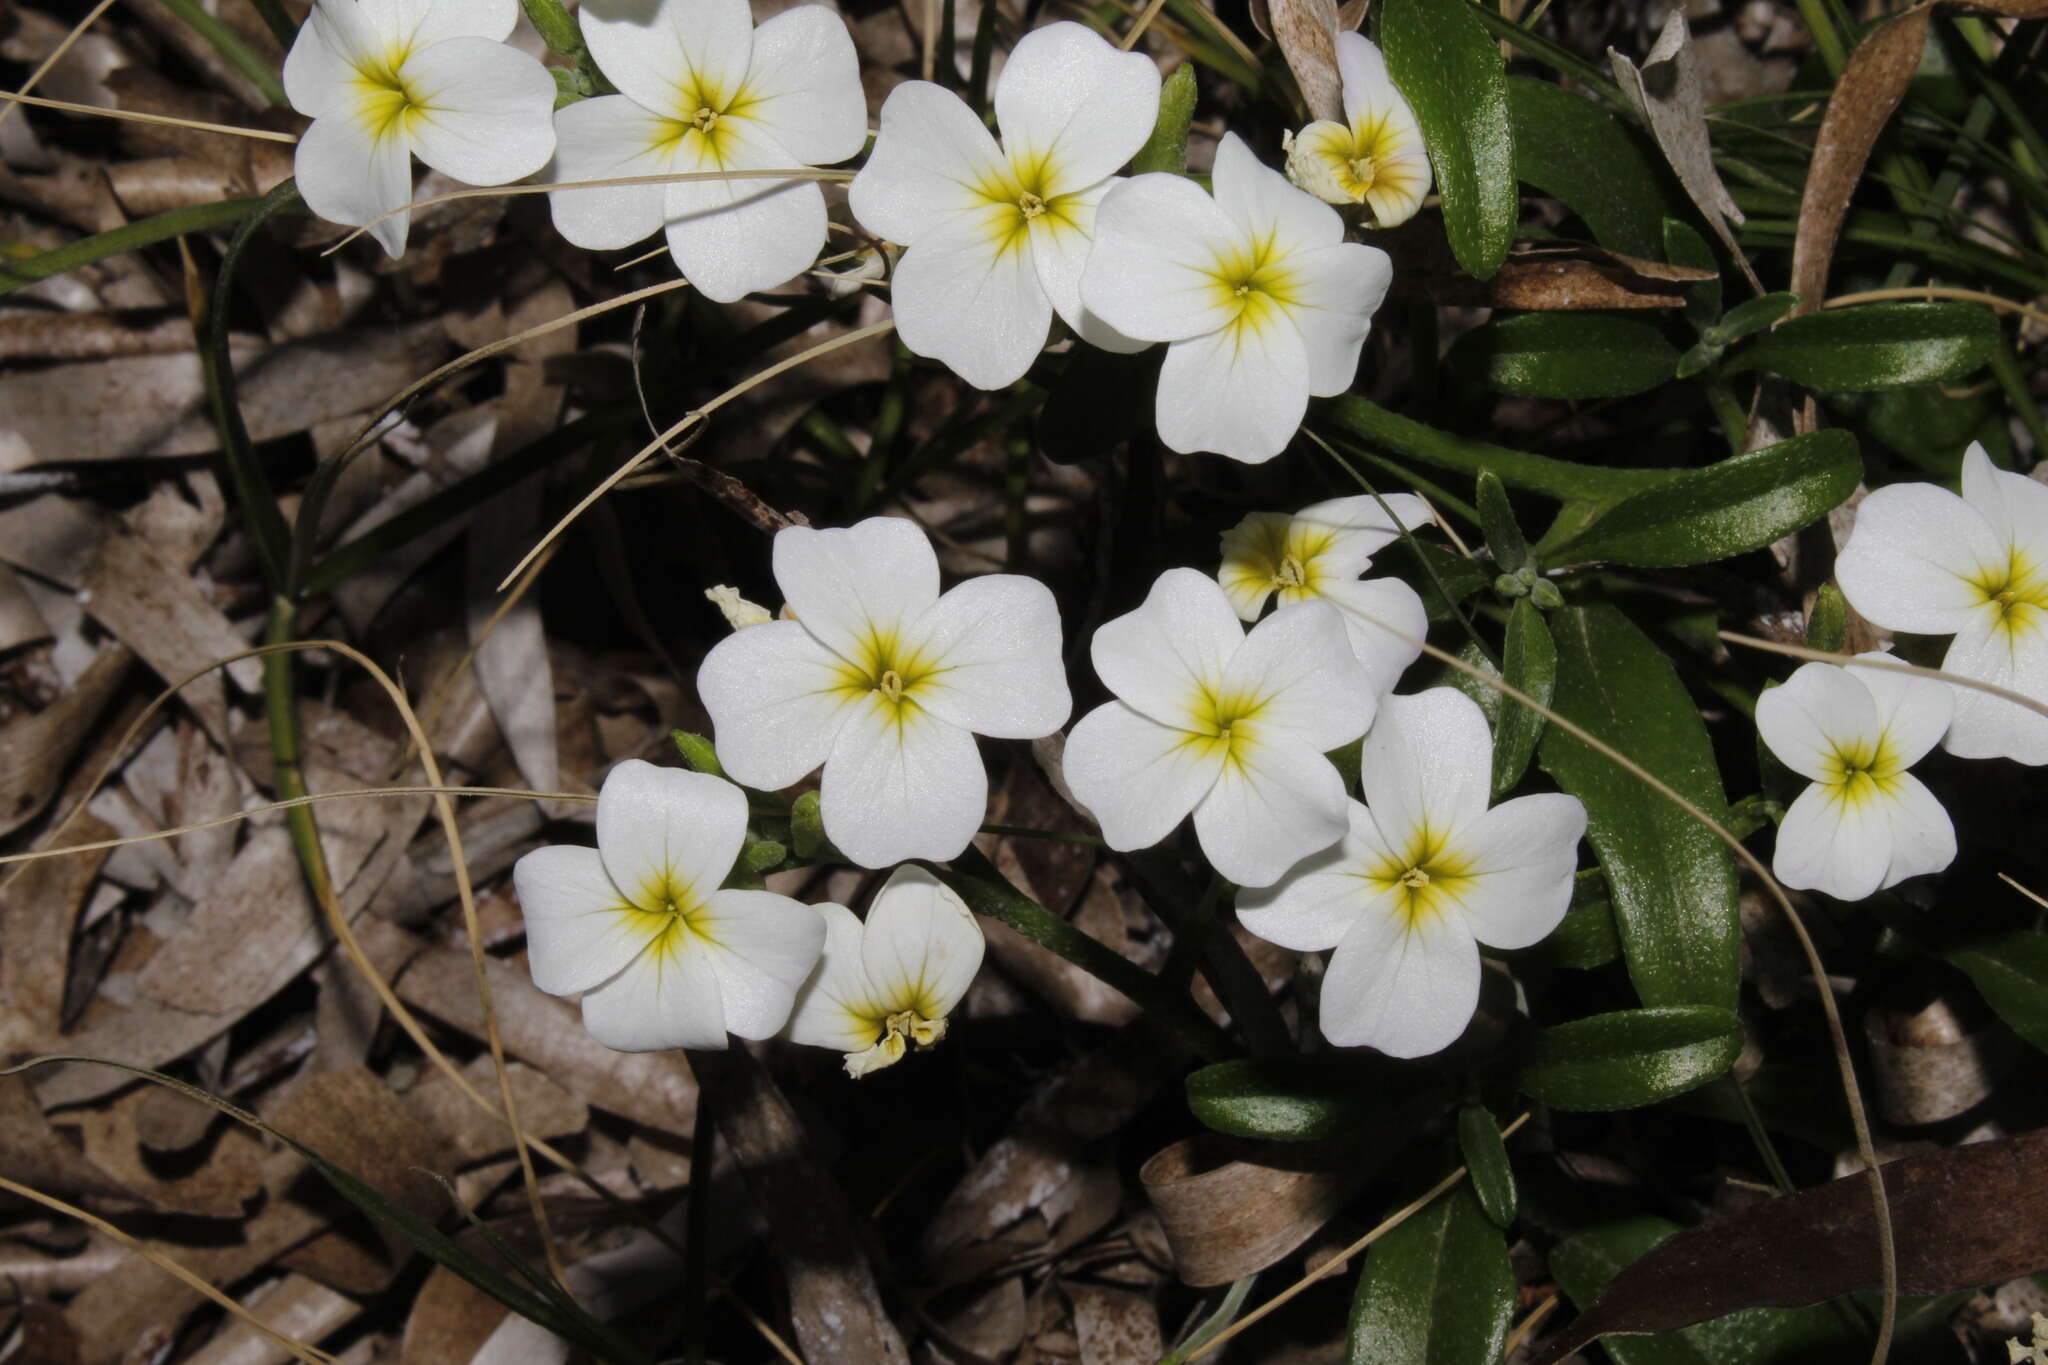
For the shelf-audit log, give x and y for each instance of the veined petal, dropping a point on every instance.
(1173, 651)
(485, 111)
(1819, 712)
(848, 585)
(1240, 391)
(668, 835)
(1152, 272)
(1427, 767)
(1253, 551)
(1915, 558)
(732, 237)
(579, 930)
(1826, 843)
(609, 138)
(931, 161)
(415, 24)
(1383, 127)
(803, 86)
(1406, 987)
(837, 1007)
(967, 294)
(777, 699)
(1061, 240)
(2011, 654)
(1363, 69)
(1340, 288)
(1923, 838)
(1319, 160)
(922, 946)
(665, 54)
(1275, 802)
(350, 171)
(665, 998)
(1070, 102)
(1913, 713)
(2015, 505)
(901, 784)
(1297, 669)
(1374, 610)
(1315, 905)
(1265, 208)
(1354, 529)
(1522, 855)
(336, 38)
(994, 645)
(1138, 778)
(762, 947)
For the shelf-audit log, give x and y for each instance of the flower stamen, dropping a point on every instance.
(890, 685)
(1292, 573)
(1030, 205)
(1415, 878)
(706, 118)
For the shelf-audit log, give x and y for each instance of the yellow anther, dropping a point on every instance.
(1292, 573)
(1415, 879)
(1362, 170)
(891, 684)
(705, 118)
(1030, 205)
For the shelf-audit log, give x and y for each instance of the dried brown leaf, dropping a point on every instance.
(39, 903)
(1115, 1326)
(94, 336)
(1231, 1208)
(34, 1154)
(35, 750)
(300, 1308)
(1306, 31)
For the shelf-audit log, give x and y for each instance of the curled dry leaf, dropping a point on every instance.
(1231, 1208)
(1929, 1065)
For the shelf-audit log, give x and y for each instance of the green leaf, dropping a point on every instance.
(1631, 1058)
(1486, 1159)
(1461, 577)
(1497, 520)
(1929, 426)
(1529, 662)
(1567, 355)
(1437, 1290)
(1560, 479)
(1751, 316)
(2011, 972)
(1300, 1099)
(1683, 246)
(1585, 938)
(1450, 70)
(1167, 148)
(1744, 503)
(697, 752)
(1827, 625)
(1576, 152)
(1876, 346)
(1672, 881)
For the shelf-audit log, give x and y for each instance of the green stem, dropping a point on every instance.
(1825, 36)
(1728, 411)
(1518, 469)
(279, 704)
(697, 1230)
(129, 237)
(1761, 1136)
(256, 68)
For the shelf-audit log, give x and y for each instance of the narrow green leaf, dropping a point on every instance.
(1566, 355)
(1497, 520)
(133, 236)
(1876, 346)
(1827, 625)
(1167, 148)
(1683, 246)
(1528, 662)
(255, 67)
(1579, 154)
(1450, 71)
(2011, 972)
(1744, 503)
(1301, 1099)
(1672, 881)
(1560, 479)
(1437, 1290)
(1631, 1058)
(1486, 1160)
(1753, 315)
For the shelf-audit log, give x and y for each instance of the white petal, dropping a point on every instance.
(901, 784)
(930, 159)
(1240, 391)
(1841, 847)
(995, 641)
(2012, 655)
(1068, 99)
(1427, 766)
(1341, 288)
(1265, 208)
(1275, 803)
(1308, 684)
(922, 946)
(1164, 657)
(1913, 713)
(667, 834)
(349, 173)
(579, 929)
(335, 39)
(1408, 989)
(1522, 855)
(762, 946)
(1354, 529)
(1316, 904)
(1152, 273)
(1821, 710)
(1380, 117)
(1923, 838)
(2015, 505)
(847, 585)
(967, 295)
(1061, 241)
(609, 138)
(665, 998)
(777, 699)
(1252, 554)
(658, 50)
(1138, 778)
(416, 23)
(803, 86)
(1363, 68)
(733, 237)
(1374, 610)
(837, 1008)
(1915, 558)
(486, 114)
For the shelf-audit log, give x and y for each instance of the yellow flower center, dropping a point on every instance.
(1427, 880)
(891, 685)
(1415, 878)
(1292, 573)
(2017, 592)
(1362, 170)
(1030, 205)
(706, 118)
(387, 102)
(896, 1035)
(1255, 285)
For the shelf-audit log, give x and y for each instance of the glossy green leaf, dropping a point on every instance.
(1497, 520)
(1672, 881)
(1301, 1099)
(1579, 154)
(1631, 1058)
(1437, 1290)
(1486, 1162)
(1442, 59)
(1167, 149)
(1566, 355)
(1929, 425)
(1752, 316)
(2011, 972)
(1744, 503)
(1562, 479)
(1528, 663)
(1876, 346)
(1585, 938)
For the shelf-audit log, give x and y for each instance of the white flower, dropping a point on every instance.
(1261, 300)
(704, 90)
(1230, 726)
(1923, 560)
(1375, 156)
(1865, 823)
(997, 234)
(663, 957)
(1319, 553)
(886, 683)
(384, 80)
(1425, 874)
(890, 983)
